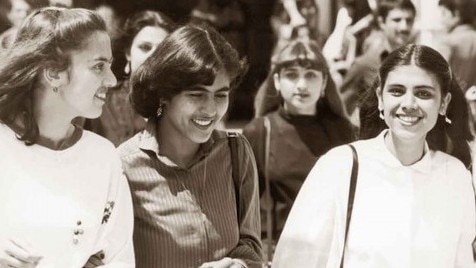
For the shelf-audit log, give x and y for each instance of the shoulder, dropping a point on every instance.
(130, 146)
(453, 165)
(97, 143)
(242, 146)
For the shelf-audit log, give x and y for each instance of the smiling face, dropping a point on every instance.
(398, 26)
(144, 43)
(300, 88)
(194, 113)
(411, 101)
(88, 77)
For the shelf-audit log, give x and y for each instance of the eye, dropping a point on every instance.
(291, 75)
(424, 94)
(222, 95)
(311, 75)
(145, 47)
(99, 67)
(396, 91)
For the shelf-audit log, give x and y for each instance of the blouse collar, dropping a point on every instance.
(423, 165)
(148, 142)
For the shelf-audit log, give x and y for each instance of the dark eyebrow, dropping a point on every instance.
(103, 59)
(198, 88)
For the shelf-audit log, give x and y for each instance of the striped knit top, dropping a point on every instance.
(186, 217)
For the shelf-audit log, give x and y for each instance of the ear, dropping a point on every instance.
(277, 83)
(54, 77)
(444, 104)
(378, 91)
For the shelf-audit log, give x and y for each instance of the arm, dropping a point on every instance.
(119, 251)
(249, 245)
(314, 230)
(464, 251)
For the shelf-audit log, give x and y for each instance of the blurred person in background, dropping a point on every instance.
(141, 35)
(458, 44)
(395, 19)
(301, 120)
(17, 11)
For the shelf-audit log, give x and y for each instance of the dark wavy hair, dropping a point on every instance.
(305, 53)
(385, 6)
(191, 55)
(450, 138)
(133, 25)
(44, 41)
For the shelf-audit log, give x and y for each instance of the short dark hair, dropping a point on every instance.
(191, 55)
(385, 6)
(453, 138)
(465, 9)
(44, 41)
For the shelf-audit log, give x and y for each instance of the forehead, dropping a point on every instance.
(20, 4)
(222, 82)
(97, 46)
(411, 76)
(150, 34)
(399, 13)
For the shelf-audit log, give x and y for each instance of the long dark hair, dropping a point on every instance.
(43, 41)
(305, 53)
(191, 55)
(450, 138)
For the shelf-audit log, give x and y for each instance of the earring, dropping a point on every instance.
(55, 89)
(160, 109)
(447, 120)
(127, 69)
(380, 114)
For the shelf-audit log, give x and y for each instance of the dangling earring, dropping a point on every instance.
(447, 120)
(160, 110)
(55, 89)
(380, 114)
(127, 69)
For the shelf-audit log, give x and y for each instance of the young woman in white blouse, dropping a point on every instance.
(63, 195)
(414, 204)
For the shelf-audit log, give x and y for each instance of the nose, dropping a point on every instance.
(209, 106)
(110, 79)
(409, 102)
(403, 25)
(301, 84)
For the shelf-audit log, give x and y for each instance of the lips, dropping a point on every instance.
(101, 94)
(203, 123)
(409, 119)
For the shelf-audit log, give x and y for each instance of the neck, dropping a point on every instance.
(407, 152)
(54, 124)
(311, 110)
(174, 145)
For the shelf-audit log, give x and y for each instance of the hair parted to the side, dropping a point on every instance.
(44, 41)
(385, 6)
(191, 55)
(450, 138)
(304, 53)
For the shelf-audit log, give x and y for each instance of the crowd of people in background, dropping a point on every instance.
(234, 133)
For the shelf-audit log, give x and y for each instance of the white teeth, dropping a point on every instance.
(202, 122)
(101, 95)
(408, 119)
